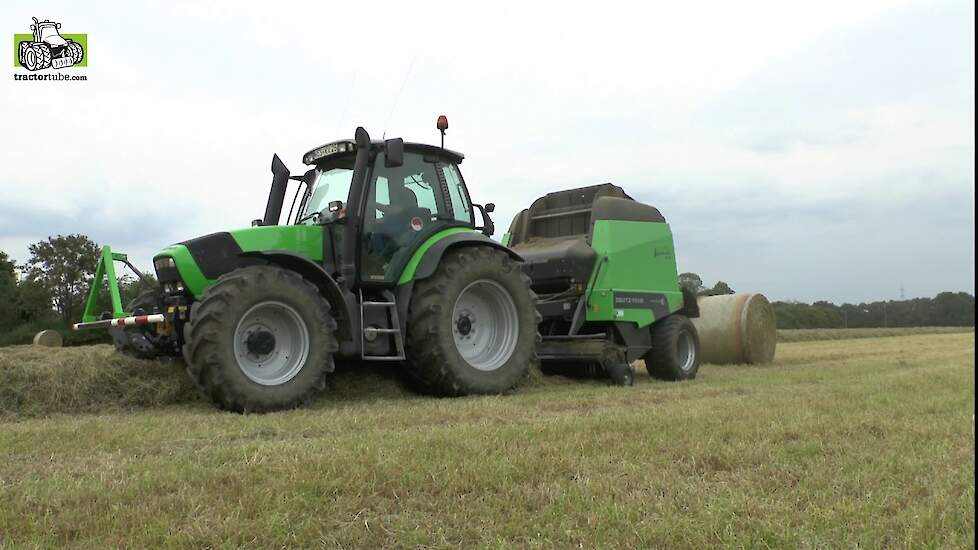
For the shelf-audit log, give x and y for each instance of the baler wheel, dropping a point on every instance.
(675, 353)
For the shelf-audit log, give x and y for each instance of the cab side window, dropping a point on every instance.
(460, 202)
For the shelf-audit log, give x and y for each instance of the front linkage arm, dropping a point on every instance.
(106, 269)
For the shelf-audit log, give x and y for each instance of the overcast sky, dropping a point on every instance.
(805, 150)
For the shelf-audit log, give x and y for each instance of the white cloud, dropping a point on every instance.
(803, 108)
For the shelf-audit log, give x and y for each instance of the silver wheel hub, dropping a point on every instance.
(485, 325)
(271, 343)
(685, 350)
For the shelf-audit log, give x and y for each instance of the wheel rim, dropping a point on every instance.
(271, 343)
(485, 325)
(685, 350)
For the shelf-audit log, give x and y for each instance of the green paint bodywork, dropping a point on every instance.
(305, 240)
(632, 257)
(408, 274)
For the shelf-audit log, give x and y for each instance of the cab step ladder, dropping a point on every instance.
(393, 321)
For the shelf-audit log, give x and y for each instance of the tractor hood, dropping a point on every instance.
(199, 262)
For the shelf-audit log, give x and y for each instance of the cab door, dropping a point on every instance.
(404, 206)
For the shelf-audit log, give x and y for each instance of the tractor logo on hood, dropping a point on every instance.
(47, 48)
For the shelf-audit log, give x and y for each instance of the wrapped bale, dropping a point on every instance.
(736, 328)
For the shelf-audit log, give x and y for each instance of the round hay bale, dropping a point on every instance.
(48, 338)
(736, 328)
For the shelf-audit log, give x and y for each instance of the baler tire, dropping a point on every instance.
(209, 336)
(667, 360)
(143, 342)
(433, 359)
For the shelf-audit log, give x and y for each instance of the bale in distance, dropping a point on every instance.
(736, 329)
(48, 338)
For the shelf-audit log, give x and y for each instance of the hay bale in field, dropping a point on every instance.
(36, 381)
(48, 339)
(736, 328)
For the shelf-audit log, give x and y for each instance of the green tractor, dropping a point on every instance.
(380, 259)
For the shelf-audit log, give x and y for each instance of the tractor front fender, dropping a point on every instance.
(339, 301)
(431, 259)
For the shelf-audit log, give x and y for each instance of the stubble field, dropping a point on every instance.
(842, 442)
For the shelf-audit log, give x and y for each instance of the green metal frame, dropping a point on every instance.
(105, 269)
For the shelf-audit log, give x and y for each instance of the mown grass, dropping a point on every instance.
(808, 335)
(864, 442)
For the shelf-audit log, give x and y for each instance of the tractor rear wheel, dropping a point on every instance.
(21, 49)
(675, 353)
(37, 57)
(260, 339)
(76, 51)
(472, 325)
(147, 341)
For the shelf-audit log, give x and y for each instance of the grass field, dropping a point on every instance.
(866, 442)
(807, 335)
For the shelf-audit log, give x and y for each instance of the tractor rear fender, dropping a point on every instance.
(431, 259)
(340, 302)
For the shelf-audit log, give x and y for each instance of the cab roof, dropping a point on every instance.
(348, 146)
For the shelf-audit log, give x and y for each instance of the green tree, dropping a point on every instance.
(691, 281)
(64, 266)
(720, 288)
(8, 292)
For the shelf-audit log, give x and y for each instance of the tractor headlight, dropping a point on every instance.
(165, 262)
(334, 148)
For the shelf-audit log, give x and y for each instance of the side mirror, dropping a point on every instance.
(394, 153)
(57, 25)
(488, 227)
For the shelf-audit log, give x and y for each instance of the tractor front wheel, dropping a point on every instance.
(260, 339)
(472, 325)
(675, 353)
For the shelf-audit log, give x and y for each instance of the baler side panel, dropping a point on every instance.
(635, 278)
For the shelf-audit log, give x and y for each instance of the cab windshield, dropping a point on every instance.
(330, 184)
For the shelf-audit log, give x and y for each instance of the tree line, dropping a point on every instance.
(947, 309)
(50, 289)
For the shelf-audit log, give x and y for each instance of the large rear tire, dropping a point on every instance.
(260, 339)
(675, 353)
(472, 325)
(77, 52)
(37, 57)
(147, 341)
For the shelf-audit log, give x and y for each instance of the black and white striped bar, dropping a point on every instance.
(138, 320)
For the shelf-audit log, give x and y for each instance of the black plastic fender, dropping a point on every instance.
(431, 259)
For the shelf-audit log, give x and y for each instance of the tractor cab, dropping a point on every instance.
(404, 194)
(47, 31)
